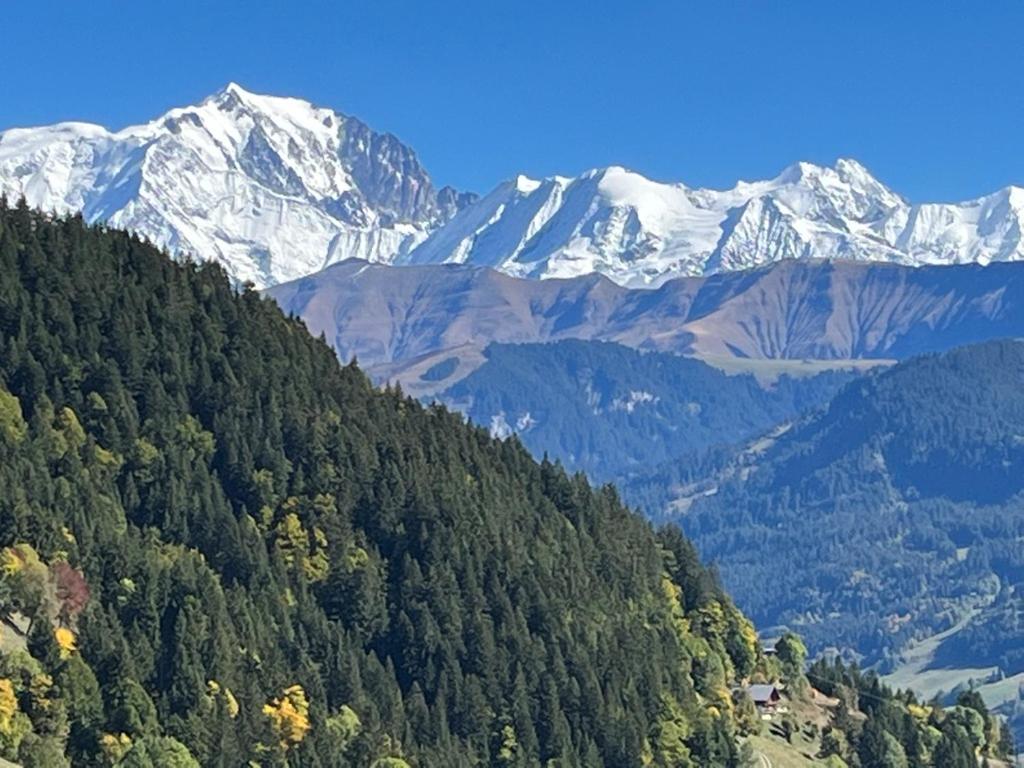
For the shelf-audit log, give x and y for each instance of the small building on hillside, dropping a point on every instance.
(766, 697)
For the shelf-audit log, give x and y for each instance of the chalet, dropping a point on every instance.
(766, 697)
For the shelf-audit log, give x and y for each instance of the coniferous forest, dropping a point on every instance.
(613, 412)
(220, 547)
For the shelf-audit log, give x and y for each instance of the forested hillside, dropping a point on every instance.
(892, 514)
(612, 411)
(217, 546)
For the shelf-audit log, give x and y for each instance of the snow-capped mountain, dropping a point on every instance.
(274, 188)
(639, 232)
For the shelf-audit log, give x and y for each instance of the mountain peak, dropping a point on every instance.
(851, 166)
(232, 93)
(525, 184)
(797, 171)
(235, 88)
(291, 109)
(272, 187)
(846, 169)
(854, 173)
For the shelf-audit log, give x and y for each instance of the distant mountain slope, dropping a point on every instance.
(611, 411)
(886, 516)
(276, 188)
(641, 232)
(392, 319)
(272, 188)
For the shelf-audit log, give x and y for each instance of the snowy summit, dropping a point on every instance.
(273, 188)
(639, 232)
(276, 188)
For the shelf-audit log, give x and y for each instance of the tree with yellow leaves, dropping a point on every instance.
(13, 427)
(293, 540)
(66, 641)
(222, 695)
(14, 724)
(289, 716)
(25, 584)
(8, 703)
(115, 746)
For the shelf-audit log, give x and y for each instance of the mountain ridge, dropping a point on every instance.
(276, 188)
(640, 232)
(398, 322)
(610, 411)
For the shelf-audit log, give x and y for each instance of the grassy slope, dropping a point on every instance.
(802, 751)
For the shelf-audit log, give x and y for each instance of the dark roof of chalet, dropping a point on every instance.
(763, 692)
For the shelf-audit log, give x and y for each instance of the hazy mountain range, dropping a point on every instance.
(611, 412)
(277, 188)
(402, 323)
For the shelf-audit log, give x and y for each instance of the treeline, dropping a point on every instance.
(218, 546)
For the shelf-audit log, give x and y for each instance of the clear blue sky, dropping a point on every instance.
(929, 95)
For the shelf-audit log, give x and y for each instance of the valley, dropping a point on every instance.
(499, 352)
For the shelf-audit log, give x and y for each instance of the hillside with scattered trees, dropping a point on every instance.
(872, 726)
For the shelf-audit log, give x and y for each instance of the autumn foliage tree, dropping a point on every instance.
(72, 591)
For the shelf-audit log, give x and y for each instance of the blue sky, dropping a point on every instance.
(928, 95)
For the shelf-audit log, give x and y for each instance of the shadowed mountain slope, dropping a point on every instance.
(891, 514)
